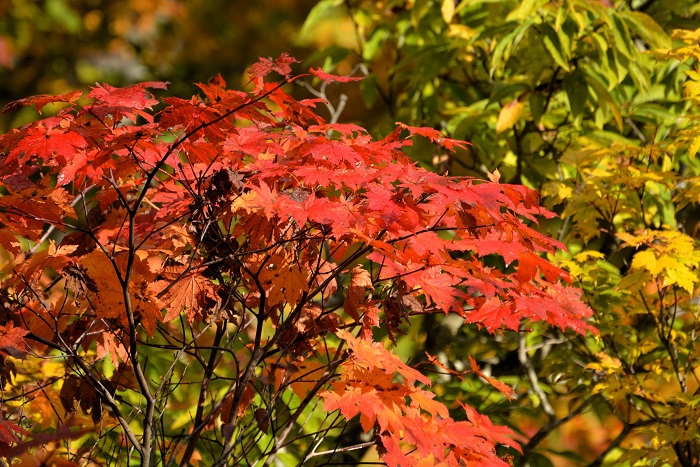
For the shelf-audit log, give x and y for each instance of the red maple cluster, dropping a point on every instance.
(249, 211)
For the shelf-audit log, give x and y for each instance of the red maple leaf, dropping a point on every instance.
(128, 102)
(323, 76)
(504, 388)
(265, 66)
(12, 340)
(434, 136)
(41, 100)
(51, 137)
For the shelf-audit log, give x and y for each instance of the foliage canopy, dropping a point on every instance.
(211, 280)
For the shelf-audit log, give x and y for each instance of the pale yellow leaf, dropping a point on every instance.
(448, 10)
(509, 115)
(462, 32)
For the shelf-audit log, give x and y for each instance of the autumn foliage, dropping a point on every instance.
(216, 279)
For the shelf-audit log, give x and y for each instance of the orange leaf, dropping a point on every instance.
(504, 388)
(187, 295)
(360, 282)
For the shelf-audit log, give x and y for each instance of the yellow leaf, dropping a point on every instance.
(682, 277)
(693, 149)
(461, 31)
(509, 115)
(646, 260)
(606, 364)
(667, 262)
(558, 191)
(448, 10)
(588, 254)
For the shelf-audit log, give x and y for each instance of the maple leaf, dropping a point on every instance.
(434, 136)
(105, 273)
(134, 96)
(76, 389)
(360, 283)
(489, 431)
(46, 141)
(251, 141)
(216, 92)
(560, 306)
(529, 263)
(128, 102)
(300, 374)
(368, 390)
(345, 129)
(373, 355)
(494, 314)
(438, 287)
(183, 294)
(323, 76)
(9, 241)
(265, 66)
(504, 388)
(108, 344)
(9, 431)
(30, 208)
(266, 199)
(11, 340)
(42, 100)
(370, 319)
(333, 151)
(282, 278)
(296, 112)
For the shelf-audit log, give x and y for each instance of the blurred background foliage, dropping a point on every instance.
(593, 102)
(53, 46)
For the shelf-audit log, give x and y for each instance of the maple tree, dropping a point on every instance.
(595, 104)
(210, 280)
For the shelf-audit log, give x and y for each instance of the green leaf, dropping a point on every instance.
(537, 103)
(554, 46)
(639, 76)
(539, 460)
(369, 91)
(320, 12)
(654, 114)
(525, 10)
(64, 15)
(577, 92)
(605, 100)
(508, 91)
(623, 41)
(374, 44)
(646, 28)
(634, 281)
(507, 44)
